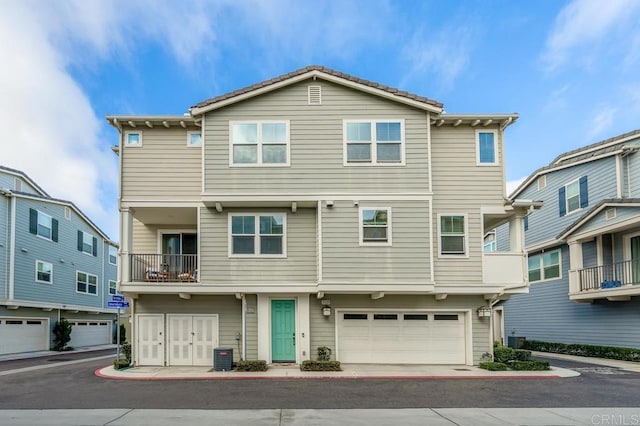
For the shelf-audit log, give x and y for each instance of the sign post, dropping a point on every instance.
(117, 301)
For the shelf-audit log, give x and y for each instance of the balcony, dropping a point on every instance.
(504, 269)
(617, 282)
(163, 268)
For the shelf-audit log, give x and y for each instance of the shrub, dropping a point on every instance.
(121, 363)
(126, 351)
(497, 344)
(123, 334)
(486, 357)
(493, 366)
(255, 365)
(522, 355)
(324, 353)
(62, 332)
(533, 365)
(309, 365)
(610, 352)
(504, 354)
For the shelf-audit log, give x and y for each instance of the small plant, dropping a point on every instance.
(309, 365)
(497, 344)
(493, 366)
(62, 332)
(121, 363)
(255, 365)
(504, 355)
(486, 357)
(324, 353)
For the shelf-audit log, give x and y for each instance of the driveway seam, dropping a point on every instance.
(443, 416)
(119, 417)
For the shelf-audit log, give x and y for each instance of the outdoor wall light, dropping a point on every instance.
(484, 312)
(326, 311)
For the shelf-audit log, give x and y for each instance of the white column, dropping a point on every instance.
(303, 328)
(264, 336)
(516, 233)
(575, 264)
(126, 226)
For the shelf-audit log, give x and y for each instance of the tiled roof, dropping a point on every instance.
(324, 70)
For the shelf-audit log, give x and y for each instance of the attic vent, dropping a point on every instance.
(542, 182)
(67, 213)
(17, 184)
(611, 213)
(315, 95)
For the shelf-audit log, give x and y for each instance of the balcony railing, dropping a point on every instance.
(163, 267)
(610, 276)
(504, 268)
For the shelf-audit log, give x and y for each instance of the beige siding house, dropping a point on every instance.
(315, 209)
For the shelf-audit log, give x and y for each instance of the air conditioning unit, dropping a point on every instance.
(222, 359)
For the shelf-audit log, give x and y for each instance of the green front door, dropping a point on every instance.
(283, 331)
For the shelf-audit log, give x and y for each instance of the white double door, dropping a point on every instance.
(192, 339)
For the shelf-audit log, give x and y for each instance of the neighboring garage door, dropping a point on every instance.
(192, 339)
(90, 333)
(401, 337)
(23, 335)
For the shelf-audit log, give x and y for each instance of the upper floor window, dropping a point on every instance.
(374, 142)
(113, 255)
(257, 235)
(194, 139)
(544, 266)
(375, 226)
(44, 272)
(486, 146)
(573, 196)
(43, 225)
(133, 138)
(87, 243)
(112, 287)
(263, 143)
(490, 244)
(453, 234)
(86, 283)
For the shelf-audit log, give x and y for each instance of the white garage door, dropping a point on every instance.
(401, 337)
(23, 335)
(90, 333)
(192, 339)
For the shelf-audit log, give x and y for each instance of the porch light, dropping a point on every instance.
(484, 312)
(326, 311)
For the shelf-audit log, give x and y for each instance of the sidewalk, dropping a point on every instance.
(623, 365)
(37, 354)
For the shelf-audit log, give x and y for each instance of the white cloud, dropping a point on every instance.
(512, 185)
(601, 121)
(583, 28)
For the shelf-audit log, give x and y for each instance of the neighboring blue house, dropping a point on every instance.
(583, 247)
(54, 263)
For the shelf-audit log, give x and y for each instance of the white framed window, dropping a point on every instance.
(87, 243)
(113, 255)
(373, 142)
(86, 283)
(194, 139)
(490, 244)
(262, 234)
(572, 191)
(133, 139)
(375, 226)
(43, 225)
(112, 287)
(452, 234)
(44, 272)
(259, 143)
(545, 266)
(573, 196)
(487, 147)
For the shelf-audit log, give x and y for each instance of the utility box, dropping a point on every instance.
(223, 359)
(516, 342)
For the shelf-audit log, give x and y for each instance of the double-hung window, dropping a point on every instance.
(257, 235)
(573, 196)
(113, 255)
(375, 226)
(453, 234)
(486, 141)
(43, 225)
(86, 283)
(261, 143)
(44, 272)
(374, 142)
(87, 243)
(112, 287)
(544, 266)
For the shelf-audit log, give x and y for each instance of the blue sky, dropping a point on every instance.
(570, 68)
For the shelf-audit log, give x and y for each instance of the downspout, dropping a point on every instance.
(244, 327)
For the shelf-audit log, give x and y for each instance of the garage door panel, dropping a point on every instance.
(90, 333)
(23, 335)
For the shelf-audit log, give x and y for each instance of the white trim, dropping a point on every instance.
(429, 162)
(190, 135)
(374, 143)
(97, 293)
(586, 219)
(600, 250)
(629, 177)
(115, 288)
(431, 242)
(319, 239)
(542, 266)
(50, 282)
(361, 228)
(626, 244)
(57, 306)
(287, 198)
(126, 138)
(257, 235)
(260, 143)
(464, 255)
(618, 176)
(12, 246)
(496, 160)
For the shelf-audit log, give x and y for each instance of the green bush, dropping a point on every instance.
(324, 353)
(522, 355)
(610, 352)
(504, 354)
(309, 365)
(255, 365)
(126, 351)
(533, 365)
(121, 363)
(62, 333)
(493, 366)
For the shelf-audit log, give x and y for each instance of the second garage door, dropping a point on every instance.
(401, 337)
(90, 333)
(23, 335)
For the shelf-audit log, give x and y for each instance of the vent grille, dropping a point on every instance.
(611, 213)
(315, 95)
(542, 182)
(17, 184)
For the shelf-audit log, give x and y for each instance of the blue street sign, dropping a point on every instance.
(117, 298)
(118, 304)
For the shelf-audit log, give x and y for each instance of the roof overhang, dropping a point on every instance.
(572, 232)
(150, 121)
(475, 120)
